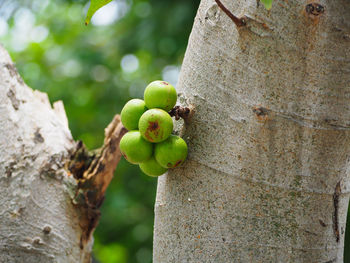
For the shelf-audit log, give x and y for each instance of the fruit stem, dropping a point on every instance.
(180, 112)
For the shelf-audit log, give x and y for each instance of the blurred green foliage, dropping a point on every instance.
(95, 69)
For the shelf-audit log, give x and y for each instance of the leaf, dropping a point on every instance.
(267, 4)
(94, 6)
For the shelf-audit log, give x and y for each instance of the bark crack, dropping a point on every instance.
(336, 195)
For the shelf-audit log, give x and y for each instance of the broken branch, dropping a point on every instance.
(94, 171)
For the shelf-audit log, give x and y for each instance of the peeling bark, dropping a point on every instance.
(48, 207)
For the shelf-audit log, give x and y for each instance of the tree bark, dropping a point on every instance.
(267, 177)
(51, 187)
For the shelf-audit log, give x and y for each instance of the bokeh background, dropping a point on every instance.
(95, 70)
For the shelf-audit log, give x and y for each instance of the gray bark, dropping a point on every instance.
(39, 222)
(267, 177)
(51, 187)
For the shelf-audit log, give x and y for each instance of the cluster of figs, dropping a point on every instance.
(149, 142)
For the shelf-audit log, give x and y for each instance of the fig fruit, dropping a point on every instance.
(132, 112)
(152, 168)
(135, 148)
(172, 152)
(155, 125)
(160, 94)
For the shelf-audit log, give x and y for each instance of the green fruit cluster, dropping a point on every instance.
(149, 142)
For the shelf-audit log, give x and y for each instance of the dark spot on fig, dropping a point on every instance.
(169, 164)
(165, 83)
(153, 128)
(177, 163)
(148, 136)
(153, 125)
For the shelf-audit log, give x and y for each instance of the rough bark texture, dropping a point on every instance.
(49, 198)
(267, 177)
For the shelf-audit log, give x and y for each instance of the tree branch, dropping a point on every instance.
(239, 22)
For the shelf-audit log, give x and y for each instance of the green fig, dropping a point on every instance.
(152, 168)
(160, 94)
(132, 112)
(155, 125)
(135, 148)
(172, 152)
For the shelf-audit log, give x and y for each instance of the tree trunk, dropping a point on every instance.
(51, 187)
(267, 177)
